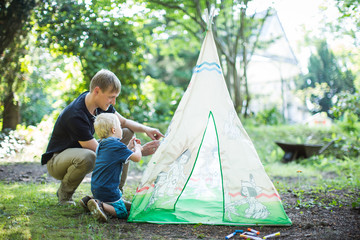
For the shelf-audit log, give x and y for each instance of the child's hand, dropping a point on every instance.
(137, 145)
(133, 143)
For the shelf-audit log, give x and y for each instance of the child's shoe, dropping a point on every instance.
(84, 201)
(97, 210)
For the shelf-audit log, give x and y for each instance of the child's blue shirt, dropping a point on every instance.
(111, 154)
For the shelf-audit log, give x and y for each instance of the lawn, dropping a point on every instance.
(320, 194)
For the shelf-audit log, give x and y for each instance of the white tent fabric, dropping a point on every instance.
(206, 169)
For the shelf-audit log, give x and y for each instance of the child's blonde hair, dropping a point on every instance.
(104, 123)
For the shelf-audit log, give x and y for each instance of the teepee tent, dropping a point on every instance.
(206, 169)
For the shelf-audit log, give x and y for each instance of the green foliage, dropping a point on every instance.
(39, 97)
(269, 117)
(12, 82)
(15, 26)
(347, 110)
(163, 99)
(325, 80)
(14, 17)
(347, 103)
(172, 43)
(102, 37)
(175, 70)
(350, 122)
(349, 15)
(346, 145)
(179, 28)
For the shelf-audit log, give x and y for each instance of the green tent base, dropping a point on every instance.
(190, 211)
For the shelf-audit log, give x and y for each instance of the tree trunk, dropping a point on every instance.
(228, 80)
(11, 114)
(247, 94)
(237, 91)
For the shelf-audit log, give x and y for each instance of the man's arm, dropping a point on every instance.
(91, 144)
(153, 133)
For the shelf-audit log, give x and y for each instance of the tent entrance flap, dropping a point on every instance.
(202, 194)
(199, 200)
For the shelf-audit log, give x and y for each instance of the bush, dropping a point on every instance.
(347, 103)
(163, 99)
(269, 117)
(13, 142)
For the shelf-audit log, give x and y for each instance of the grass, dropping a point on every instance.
(30, 210)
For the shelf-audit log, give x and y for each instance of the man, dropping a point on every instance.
(70, 154)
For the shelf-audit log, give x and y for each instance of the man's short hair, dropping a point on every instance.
(103, 124)
(105, 80)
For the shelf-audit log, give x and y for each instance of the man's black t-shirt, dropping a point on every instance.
(74, 124)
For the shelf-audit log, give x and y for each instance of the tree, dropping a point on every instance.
(48, 78)
(14, 15)
(101, 36)
(14, 22)
(327, 78)
(236, 33)
(349, 13)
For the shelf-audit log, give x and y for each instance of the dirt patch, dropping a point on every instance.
(311, 220)
(27, 172)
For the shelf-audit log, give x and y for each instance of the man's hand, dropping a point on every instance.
(153, 133)
(150, 148)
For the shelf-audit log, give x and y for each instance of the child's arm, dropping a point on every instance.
(132, 142)
(136, 156)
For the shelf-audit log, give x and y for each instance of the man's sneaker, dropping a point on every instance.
(97, 210)
(84, 201)
(67, 203)
(65, 198)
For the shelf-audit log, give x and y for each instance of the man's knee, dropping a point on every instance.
(127, 136)
(86, 160)
(90, 159)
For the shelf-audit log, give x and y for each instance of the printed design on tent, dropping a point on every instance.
(204, 183)
(207, 66)
(167, 183)
(205, 180)
(203, 194)
(231, 129)
(254, 208)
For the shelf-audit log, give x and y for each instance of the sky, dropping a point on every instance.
(294, 13)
